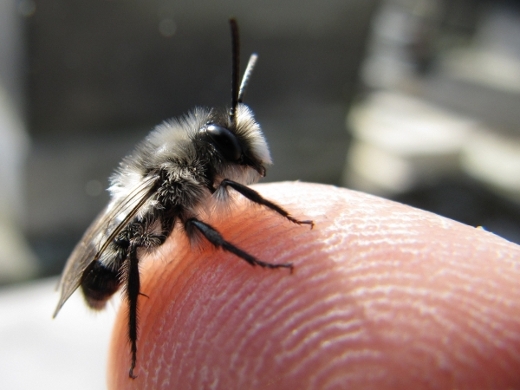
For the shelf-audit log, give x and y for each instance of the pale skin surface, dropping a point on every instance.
(382, 296)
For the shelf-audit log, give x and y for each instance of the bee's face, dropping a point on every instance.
(235, 149)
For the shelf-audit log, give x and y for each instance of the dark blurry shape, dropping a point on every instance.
(440, 119)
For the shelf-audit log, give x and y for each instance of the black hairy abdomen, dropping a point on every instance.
(99, 283)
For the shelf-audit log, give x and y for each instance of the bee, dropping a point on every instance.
(181, 166)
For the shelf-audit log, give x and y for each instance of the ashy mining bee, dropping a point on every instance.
(182, 166)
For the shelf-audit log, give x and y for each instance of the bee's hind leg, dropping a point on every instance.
(133, 287)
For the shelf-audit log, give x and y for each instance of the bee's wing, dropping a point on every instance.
(86, 251)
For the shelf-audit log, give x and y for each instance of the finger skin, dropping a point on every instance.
(383, 296)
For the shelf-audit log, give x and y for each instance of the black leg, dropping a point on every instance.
(133, 286)
(215, 238)
(254, 196)
(141, 236)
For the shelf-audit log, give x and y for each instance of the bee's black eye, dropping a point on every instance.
(224, 141)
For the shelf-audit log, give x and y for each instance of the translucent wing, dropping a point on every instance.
(88, 250)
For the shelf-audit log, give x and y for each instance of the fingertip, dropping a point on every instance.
(381, 295)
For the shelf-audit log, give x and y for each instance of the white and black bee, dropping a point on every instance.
(166, 181)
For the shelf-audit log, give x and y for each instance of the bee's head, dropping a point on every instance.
(237, 137)
(241, 142)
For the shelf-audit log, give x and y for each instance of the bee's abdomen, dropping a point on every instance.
(99, 283)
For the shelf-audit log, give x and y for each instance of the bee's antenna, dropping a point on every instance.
(235, 42)
(247, 75)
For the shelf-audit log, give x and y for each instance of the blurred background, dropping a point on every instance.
(414, 100)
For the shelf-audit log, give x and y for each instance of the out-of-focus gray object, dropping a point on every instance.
(402, 142)
(16, 259)
(439, 125)
(434, 86)
(69, 352)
